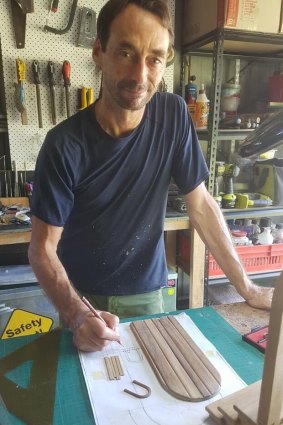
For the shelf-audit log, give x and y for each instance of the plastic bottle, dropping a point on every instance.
(202, 109)
(278, 233)
(191, 96)
(265, 237)
(191, 90)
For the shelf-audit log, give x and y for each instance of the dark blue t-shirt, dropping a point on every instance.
(110, 194)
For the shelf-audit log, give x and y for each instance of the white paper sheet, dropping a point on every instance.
(112, 406)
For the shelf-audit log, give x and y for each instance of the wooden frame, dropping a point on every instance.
(262, 402)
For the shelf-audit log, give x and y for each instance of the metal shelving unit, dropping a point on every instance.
(220, 44)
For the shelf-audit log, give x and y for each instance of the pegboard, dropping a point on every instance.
(25, 140)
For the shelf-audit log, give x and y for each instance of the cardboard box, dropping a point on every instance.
(204, 16)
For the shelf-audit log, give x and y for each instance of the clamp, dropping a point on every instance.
(70, 22)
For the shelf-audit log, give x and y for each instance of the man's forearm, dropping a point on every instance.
(212, 228)
(53, 278)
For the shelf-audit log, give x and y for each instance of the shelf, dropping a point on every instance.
(252, 212)
(253, 44)
(226, 134)
(253, 276)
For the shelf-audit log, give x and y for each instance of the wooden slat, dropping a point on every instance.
(200, 355)
(226, 404)
(196, 362)
(177, 367)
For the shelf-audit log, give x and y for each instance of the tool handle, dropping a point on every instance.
(66, 70)
(35, 71)
(82, 96)
(51, 73)
(261, 202)
(54, 6)
(21, 70)
(90, 96)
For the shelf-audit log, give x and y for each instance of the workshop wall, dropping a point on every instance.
(25, 140)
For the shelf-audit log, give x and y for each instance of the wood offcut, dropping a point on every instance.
(260, 403)
(114, 367)
(181, 367)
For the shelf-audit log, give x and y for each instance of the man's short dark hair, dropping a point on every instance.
(114, 7)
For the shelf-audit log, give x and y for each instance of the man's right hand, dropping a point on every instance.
(93, 335)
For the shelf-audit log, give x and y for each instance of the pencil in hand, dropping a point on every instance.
(95, 313)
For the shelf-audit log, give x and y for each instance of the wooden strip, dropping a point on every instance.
(197, 361)
(188, 370)
(200, 354)
(109, 368)
(115, 368)
(161, 366)
(119, 365)
(162, 343)
(271, 396)
(173, 360)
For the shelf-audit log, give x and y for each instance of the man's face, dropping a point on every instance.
(134, 60)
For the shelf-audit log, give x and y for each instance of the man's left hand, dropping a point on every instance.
(259, 297)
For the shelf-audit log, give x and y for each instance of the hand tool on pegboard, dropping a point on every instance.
(70, 22)
(20, 93)
(51, 80)
(86, 97)
(66, 71)
(36, 78)
(87, 28)
(16, 180)
(53, 9)
(20, 8)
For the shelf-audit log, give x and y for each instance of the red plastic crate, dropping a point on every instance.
(255, 258)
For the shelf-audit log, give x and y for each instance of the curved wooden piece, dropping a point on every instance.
(181, 367)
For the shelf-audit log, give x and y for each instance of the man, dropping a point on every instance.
(101, 185)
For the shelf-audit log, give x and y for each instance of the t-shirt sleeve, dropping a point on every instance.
(189, 166)
(53, 196)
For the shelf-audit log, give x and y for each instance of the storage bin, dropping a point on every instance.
(255, 258)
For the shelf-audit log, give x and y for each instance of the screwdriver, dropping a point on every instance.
(36, 70)
(66, 70)
(51, 79)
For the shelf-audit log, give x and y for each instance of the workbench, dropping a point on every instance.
(72, 406)
(22, 234)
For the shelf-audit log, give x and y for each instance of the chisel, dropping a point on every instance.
(66, 71)
(35, 71)
(51, 79)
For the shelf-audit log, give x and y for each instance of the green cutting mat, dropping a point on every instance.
(72, 406)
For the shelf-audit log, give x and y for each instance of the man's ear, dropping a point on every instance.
(96, 52)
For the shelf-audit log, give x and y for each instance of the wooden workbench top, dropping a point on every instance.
(242, 317)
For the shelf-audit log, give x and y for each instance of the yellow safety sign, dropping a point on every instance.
(23, 323)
